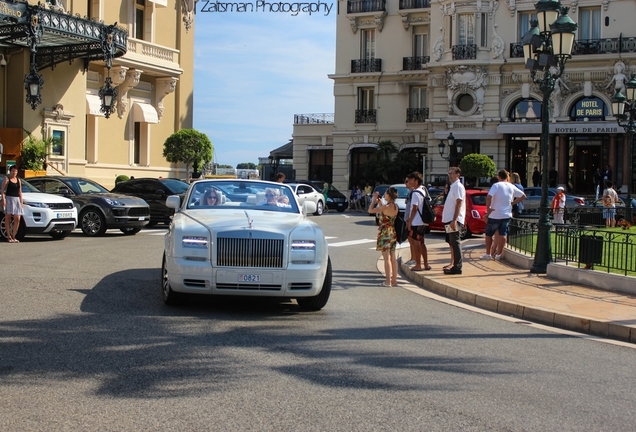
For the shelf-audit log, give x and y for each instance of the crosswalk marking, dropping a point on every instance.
(352, 242)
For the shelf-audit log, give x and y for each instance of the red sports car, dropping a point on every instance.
(475, 210)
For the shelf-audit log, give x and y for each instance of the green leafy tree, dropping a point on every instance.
(475, 165)
(188, 146)
(246, 165)
(34, 152)
(379, 167)
(224, 166)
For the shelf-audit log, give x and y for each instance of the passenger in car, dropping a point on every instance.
(273, 197)
(210, 197)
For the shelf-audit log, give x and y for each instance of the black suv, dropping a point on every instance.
(97, 209)
(154, 191)
(335, 199)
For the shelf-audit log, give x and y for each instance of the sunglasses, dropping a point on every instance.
(269, 195)
(212, 198)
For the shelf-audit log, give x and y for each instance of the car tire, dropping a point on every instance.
(320, 208)
(92, 223)
(468, 233)
(169, 297)
(341, 209)
(319, 301)
(152, 224)
(3, 229)
(130, 231)
(59, 235)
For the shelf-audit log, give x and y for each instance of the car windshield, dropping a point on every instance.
(85, 186)
(27, 187)
(176, 186)
(402, 191)
(246, 194)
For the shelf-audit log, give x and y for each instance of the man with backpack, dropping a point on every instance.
(414, 221)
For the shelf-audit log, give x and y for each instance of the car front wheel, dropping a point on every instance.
(93, 223)
(130, 231)
(169, 297)
(59, 235)
(320, 208)
(319, 301)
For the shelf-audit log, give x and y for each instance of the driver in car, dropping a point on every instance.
(273, 198)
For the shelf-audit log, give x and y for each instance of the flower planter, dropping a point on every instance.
(32, 173)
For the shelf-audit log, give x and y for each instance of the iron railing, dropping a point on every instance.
(608, 250)
(357, 6)
(325, 118)
(366, 65)
(415, 63)
(365, 116)
(415, 4)
(464, 52)
(415, 115)
(589, 46)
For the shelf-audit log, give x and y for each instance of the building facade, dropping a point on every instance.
(414, 71)
(152, 71)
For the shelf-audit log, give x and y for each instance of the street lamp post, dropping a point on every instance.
(454, 149)
(546, 47)
(624, 109)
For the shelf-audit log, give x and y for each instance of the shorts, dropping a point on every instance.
(609, 213)
(499, 225)
(417, 232)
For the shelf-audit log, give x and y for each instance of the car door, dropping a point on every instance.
(301, 192)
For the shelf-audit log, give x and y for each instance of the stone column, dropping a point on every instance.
(625, 163)
(611, 159)
(564, 159)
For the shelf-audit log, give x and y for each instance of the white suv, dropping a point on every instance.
(43, 214)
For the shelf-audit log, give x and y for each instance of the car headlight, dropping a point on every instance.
(194, 242)
(113, 202)
(329, 199)
(303, 251)
(36, 204)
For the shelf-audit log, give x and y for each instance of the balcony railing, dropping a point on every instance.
(357, 6)
(150, 51)
(415, 115)
(366, 65)
(365, 116)
(415, 63)
(464, 52)
(415, 4)
(589, 46)
(327, 118)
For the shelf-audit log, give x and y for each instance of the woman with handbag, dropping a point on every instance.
(386, 233)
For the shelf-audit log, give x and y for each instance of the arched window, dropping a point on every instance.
(526, 110)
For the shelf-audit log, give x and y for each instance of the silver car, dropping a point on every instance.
(533, 199)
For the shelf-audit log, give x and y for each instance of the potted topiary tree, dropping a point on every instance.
(33, 156)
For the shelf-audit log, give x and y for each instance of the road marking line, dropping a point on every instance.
(352, 242)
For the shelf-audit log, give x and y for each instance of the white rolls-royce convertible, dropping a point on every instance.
(245, 238)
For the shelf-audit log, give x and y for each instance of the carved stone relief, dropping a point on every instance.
(132, 79)
(438, 47)
(411, 19)
(187, 11)
(498, 44)
(165, 86)
(461, 79)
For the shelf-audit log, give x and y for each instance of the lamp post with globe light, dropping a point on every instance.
(546, 47)
(624, 109)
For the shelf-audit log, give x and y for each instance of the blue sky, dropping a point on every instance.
(254, 71)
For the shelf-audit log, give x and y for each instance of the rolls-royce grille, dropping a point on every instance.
(60, 206)
(245, 252)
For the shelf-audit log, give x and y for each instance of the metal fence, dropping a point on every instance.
(613, 251)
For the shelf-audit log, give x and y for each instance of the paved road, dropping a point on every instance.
(85, 344)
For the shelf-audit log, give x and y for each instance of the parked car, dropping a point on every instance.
(98, 209)
(252, 244)
(154, 191)
(43, 214)
(381, 190)
(306, 192)
(475, 210)
(335, 199)
(533, 199)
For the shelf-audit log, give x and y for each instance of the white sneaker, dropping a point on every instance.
(410, 263)
(497, 257)
(486, 257)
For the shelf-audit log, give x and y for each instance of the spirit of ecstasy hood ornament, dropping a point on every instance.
(249, 221)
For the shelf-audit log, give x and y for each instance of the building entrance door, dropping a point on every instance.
(587, 159)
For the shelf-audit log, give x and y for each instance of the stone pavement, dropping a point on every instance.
(500, 287)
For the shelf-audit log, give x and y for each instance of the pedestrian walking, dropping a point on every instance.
(453, 218)
(536, 177)
(387, 239)
(517, 209)
(501, 197)
(13, 204)
(553, 175)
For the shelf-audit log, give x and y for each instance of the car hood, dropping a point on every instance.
(124, 199)
(224, 220)
(45, 198)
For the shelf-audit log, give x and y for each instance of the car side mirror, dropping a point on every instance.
(173, 201)
(160, 192)
(65, 191)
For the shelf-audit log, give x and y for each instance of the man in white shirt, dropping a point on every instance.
(414, 222)
(501, 197)
(453, 218)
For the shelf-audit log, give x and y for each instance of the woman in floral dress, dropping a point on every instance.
(386, 232)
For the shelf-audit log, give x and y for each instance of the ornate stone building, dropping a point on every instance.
(414, 72)
(65, 43)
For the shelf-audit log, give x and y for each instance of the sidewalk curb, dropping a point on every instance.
(612, 330)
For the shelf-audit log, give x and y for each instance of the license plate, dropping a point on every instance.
(142, 218)
(64, 215)
(249, 278)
